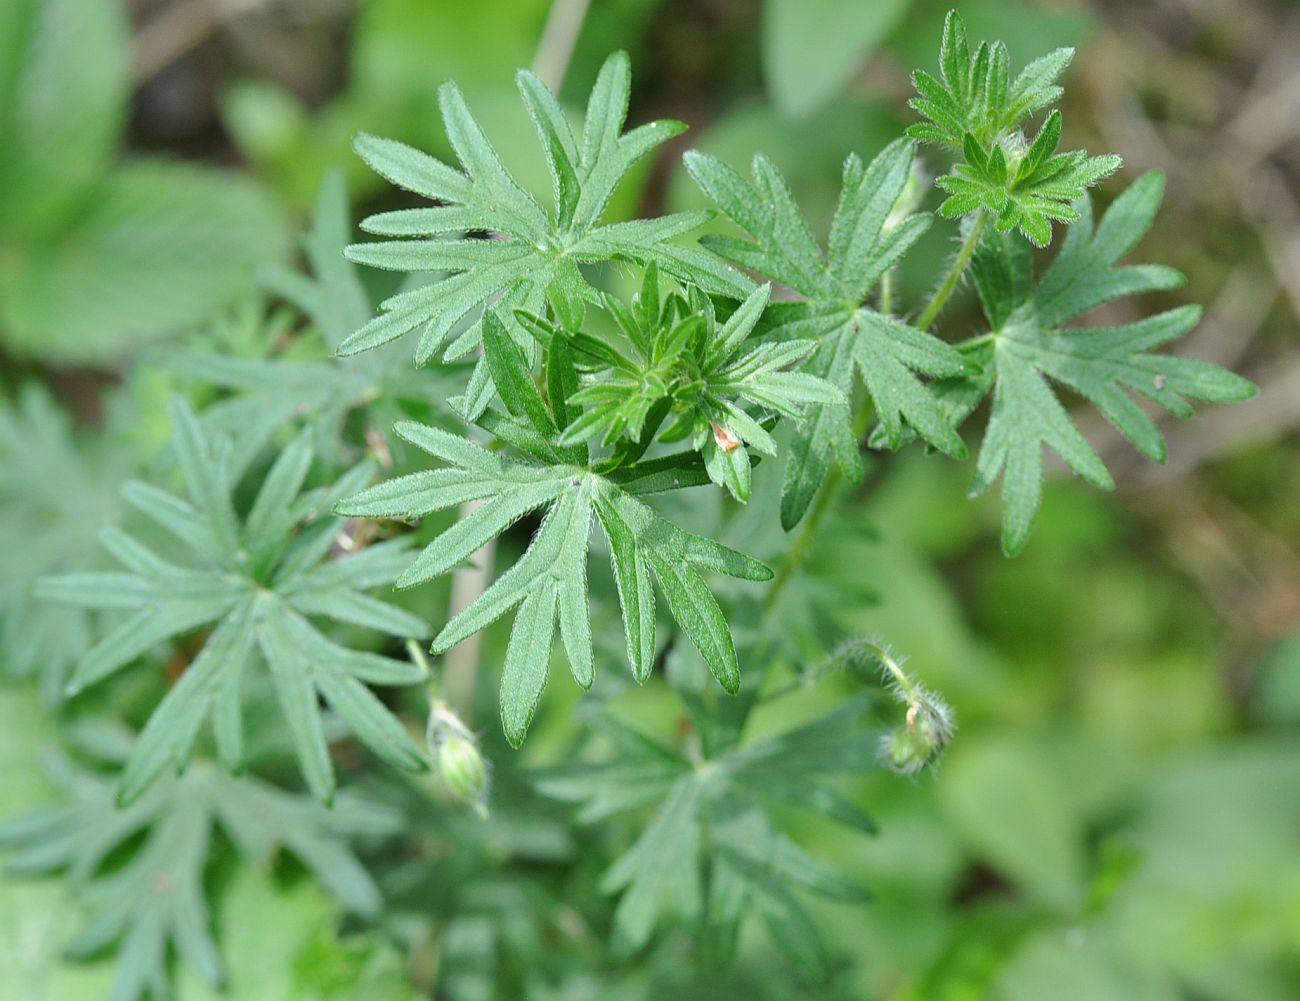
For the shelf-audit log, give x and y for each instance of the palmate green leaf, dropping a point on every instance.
(746, 865)
(1029, 350)
(762, 871)
(532, 255)
(849, 335)
(660, 873)
(141, 873)
(64, 84)
(157, 248)
(550, 579)
(256, 582)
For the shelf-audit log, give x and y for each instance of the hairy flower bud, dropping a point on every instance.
(457, 760)
(929, 724)
(921, 739)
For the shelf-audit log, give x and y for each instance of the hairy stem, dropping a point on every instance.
(958, 268)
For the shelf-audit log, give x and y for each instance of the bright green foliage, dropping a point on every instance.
(1029, 346)
(532, 256)
(677, 364)
(140, 872)
(56, 489)
(850, 335)
(976, 112)
(257, 582)
(550, 579)
(1031, 190)
(977, 95)
(577, 406)
(745, 864)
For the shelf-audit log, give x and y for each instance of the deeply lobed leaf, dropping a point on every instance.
(531, 255)
(257, 584)
(550, 579)
(1029, 350)
(848, 335)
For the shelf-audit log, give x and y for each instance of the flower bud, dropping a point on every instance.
(456, 757)
(462, 767)
(908, 200)
(921, 739)
(723, 438)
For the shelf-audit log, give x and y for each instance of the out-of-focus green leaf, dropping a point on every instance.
(1013, 811)
(811, 48)
(1080, 965)
(156, 247)
(139, 872)
(63, 89)
(261, 583)
(56, 489)
(35, 917)
(1277, 697)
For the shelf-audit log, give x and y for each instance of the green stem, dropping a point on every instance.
(794, 556)
(955, 271)
(430, 679)
(807, 678)
(905, 684)
(803, 541)
(887, 292)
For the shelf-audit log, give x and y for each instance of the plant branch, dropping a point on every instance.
(798, 550)
(955, 271)
(460, 666)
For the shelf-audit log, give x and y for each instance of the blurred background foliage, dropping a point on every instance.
(1119, 816)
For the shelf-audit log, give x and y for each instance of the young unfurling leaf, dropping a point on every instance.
(678, 373)
(976, 95)
(976, 112)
